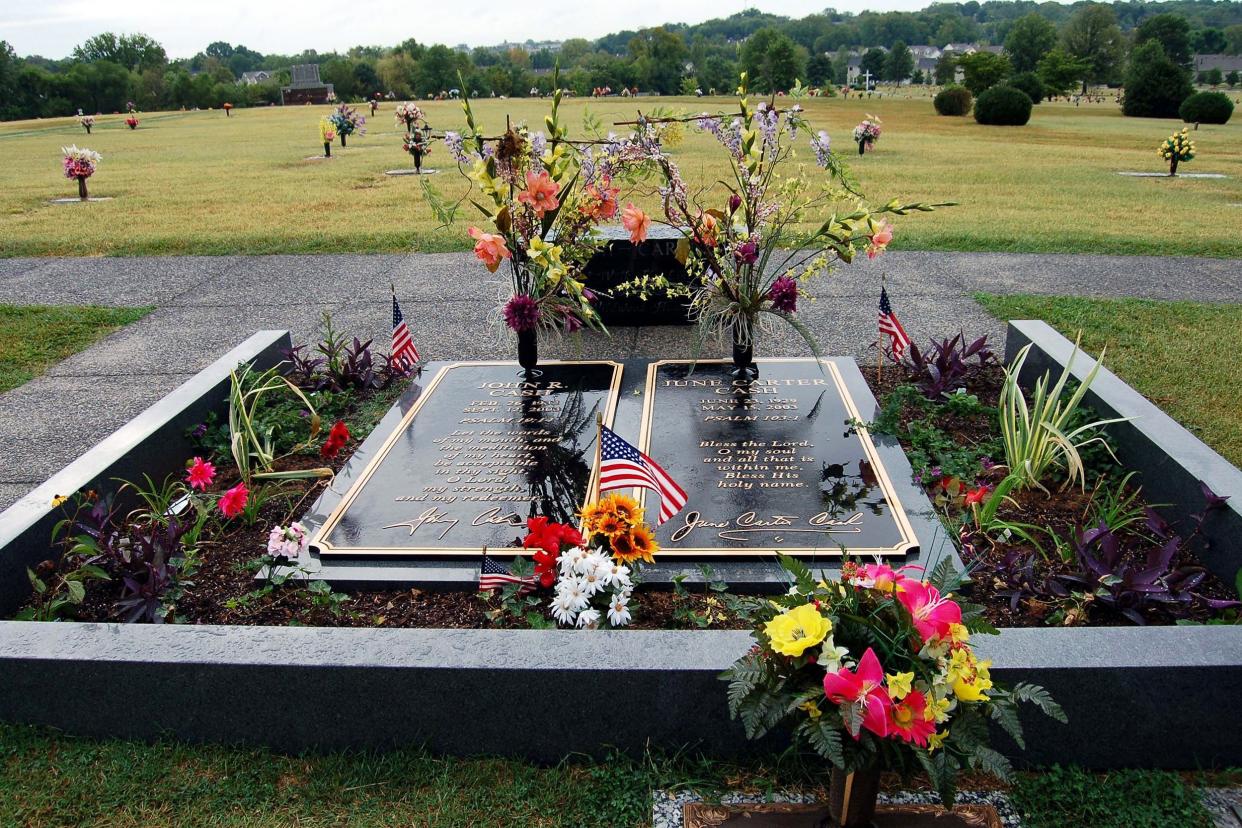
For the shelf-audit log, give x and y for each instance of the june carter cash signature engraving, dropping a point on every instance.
(749, 523)
(435, 517)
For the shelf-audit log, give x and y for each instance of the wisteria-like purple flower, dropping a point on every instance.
(456, 147)
(522, 313)
(821, 144)
(748, 254)
(784, 295)
(538, 143)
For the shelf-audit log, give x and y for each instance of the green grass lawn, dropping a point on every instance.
(1178, 354)
(49, 780)
(197, 182)
(35, 337)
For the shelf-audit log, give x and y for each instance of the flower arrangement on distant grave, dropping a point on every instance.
(87, 121)
(877, 672)
(418, 145)
(750, 252)
(228, 109)
(536, 188)
(408, 115)
(347, 121)
(131, 121)
(130, 107)
(327, 134)
(1177, 148)
(867, 133)
(80, 163)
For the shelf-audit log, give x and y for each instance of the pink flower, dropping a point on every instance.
(880, 576)
(601, 200)
(234, 500)
(540, 193)
(879, 239)
(200, 474)
(908, 719)
(933, 614)
(784, 294)
(489, 248)
(865, 688)
(636, 222)
(522, 313)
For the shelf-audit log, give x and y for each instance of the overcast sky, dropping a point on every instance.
(52, 28)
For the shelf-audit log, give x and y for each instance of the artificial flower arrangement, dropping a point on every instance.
(876, 671)
(132, 121)
(327, 134)
(416, 143)
(1177, 148)
(407, 115)
(597, 569)
(228, 109)
(87, 121)
(346, 120)
(542, 195)
(746, 250)
(867, 133)
(80, 163)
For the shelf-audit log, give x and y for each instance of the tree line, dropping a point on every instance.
(1084, 42)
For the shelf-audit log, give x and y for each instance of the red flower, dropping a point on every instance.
(548, 539)
(200, 474)
(337, 438)
(234, 500)
(975, 497)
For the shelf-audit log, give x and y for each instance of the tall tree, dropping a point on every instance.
(1093, 36)
(1029, 39)
(134, 51)
(659, 56)
(899, 63)
(1171, 31)
(1060, 71)
(873, 62)
(946, 69)
(772, 61)
(983, 70)
(1209, 41)
(1155, 84)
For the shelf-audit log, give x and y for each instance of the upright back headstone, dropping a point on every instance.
(305, 86)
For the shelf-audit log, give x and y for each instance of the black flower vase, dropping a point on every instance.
(852, 797)
(862, 147)
(327, 149)
(88, 128)
(82, 188)
(342, 139)
(528, 349)
(744, 359)
(1173, 166)
(418, 162)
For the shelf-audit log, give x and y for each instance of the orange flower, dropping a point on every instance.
(540, 193)
(706, 233)
(636, 222)
(636, 545)
(879, 239)
(600, 202)
(624, 507)
(489, 248)
(610, 525)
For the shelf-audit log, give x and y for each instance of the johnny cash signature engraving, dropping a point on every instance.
(749, 524)
(435, 517)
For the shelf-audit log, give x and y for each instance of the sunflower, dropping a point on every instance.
(590, 515)
(610, 525)
(623, 548)
(624, 507)
(644, 543)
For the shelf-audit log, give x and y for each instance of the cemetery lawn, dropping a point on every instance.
(50, 780)
(35, 337)
(1177, 354)
(197, 182)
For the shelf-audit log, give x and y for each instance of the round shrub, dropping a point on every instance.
(1029, 83)
(1206, 108)
(1003, 106)
(953, 100)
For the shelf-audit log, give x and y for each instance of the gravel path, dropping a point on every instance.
(206, 305)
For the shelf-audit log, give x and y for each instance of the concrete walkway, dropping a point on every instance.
(206, 305)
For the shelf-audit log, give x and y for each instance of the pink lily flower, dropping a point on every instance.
(864, 687)
(933, 613)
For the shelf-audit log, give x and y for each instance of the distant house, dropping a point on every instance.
(258, 76)
(921, 51)
(306, 87)
(1225, 63)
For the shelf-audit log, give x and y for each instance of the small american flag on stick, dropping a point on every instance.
(889, 325)
(495, 575)
(621, 466)
(403, 351)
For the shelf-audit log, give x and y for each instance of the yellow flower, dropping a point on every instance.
(969, 678)
(812, 709)
(959, 633)
(57, 500)
(899, 685)
(623, 506)
(936, 740)
(794, 631)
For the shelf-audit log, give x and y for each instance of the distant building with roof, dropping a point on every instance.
(255, 77)
(1225, 63)
(306, 87)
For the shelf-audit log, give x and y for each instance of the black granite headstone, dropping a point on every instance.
(768, 464)
(484, 447)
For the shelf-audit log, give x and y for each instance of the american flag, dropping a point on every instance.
(889, 325)
(403, 351)
(622, 466)
(494, 575)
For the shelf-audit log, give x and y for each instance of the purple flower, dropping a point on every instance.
(784, 295)
(199, 430)
(735, 201)
(748, 253)
(522, 313)
(588, 295)
(821, 144)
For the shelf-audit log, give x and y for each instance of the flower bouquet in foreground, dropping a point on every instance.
(346, 121)
(1177, 148)
(867, 133)
(80, 163)
(778, 227)
(876, 672)
(542, 195)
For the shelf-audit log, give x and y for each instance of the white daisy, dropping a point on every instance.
(569, 560)
(562, 608)
(574, 592)
(588, 619)
(616, 575)
(592, 582)
(619, 610)
(590, 562)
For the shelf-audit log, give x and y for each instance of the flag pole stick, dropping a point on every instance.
(599, 436)
(879, 357)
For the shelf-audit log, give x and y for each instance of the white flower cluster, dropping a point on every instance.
(585, 575)
(288, 542)
(81, 154)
